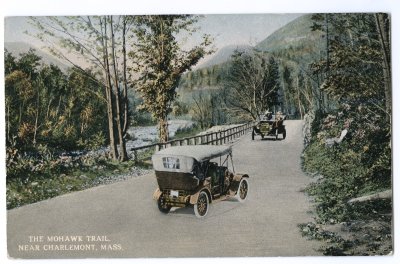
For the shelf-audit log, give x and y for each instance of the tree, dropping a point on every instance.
(359, 78)
(271, 83)
(160, 61)
(45, 106)
(357, 62)
(202, 109)
(21, 95)
(288, 89)
(100, 44)
(252, 84)
(382, 22)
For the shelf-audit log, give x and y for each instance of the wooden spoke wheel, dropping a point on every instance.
(202, 205)
(243, 190)
(162, 206)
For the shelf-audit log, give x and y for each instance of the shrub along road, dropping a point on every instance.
(122, 220)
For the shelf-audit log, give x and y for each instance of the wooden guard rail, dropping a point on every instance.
(213, 138)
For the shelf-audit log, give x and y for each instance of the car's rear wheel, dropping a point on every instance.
(243, 190)
(202, 205)
(162, 206)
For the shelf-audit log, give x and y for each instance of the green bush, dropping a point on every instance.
(358, 166)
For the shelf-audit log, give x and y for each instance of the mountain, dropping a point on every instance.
(16, 48)
(295, 41)
(294, 45)
(223, 55)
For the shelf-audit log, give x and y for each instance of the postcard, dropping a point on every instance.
(199, 135)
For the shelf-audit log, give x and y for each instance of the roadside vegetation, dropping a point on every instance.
(360, 166)
(42, 178)
(352, 179)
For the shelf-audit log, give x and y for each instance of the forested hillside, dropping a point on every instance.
(294, 47)
(211, 73)
(295, 42)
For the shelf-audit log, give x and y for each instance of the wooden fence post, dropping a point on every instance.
(136, 156)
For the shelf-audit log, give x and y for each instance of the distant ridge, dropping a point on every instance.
(295, 33)
(223, 55)
(293, 44)
(16, 48)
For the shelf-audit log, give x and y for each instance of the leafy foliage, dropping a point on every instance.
(354, 74)
(46, 106)
(361, 164)
(160, 61)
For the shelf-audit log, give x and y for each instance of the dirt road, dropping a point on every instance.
(122, 220)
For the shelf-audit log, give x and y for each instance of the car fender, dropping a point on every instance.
(194, 197)
(233, 188)
(157, 194)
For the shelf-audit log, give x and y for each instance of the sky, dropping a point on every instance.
(226, 29)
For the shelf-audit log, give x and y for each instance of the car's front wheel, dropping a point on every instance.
(243, 190)
(202, 205)
(162, 206)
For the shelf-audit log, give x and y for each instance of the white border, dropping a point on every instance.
(92, 7)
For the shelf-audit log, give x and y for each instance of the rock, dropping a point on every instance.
(83, 177)
(34, 184)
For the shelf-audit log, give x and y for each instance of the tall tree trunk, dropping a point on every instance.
(48, 108)
(383, 28)
(109, 94)
(37, 113)
(163, 129)
(125, 100)
(8, 122)
(298, 98)
(123, 156)
(285, 96)
(327, 42)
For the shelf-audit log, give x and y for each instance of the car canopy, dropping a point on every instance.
(272, 118)
(182, 158)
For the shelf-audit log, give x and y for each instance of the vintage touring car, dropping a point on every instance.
(270, 125)
(196, 176)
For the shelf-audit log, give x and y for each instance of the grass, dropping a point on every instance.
(34, 187)
(187, 132)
